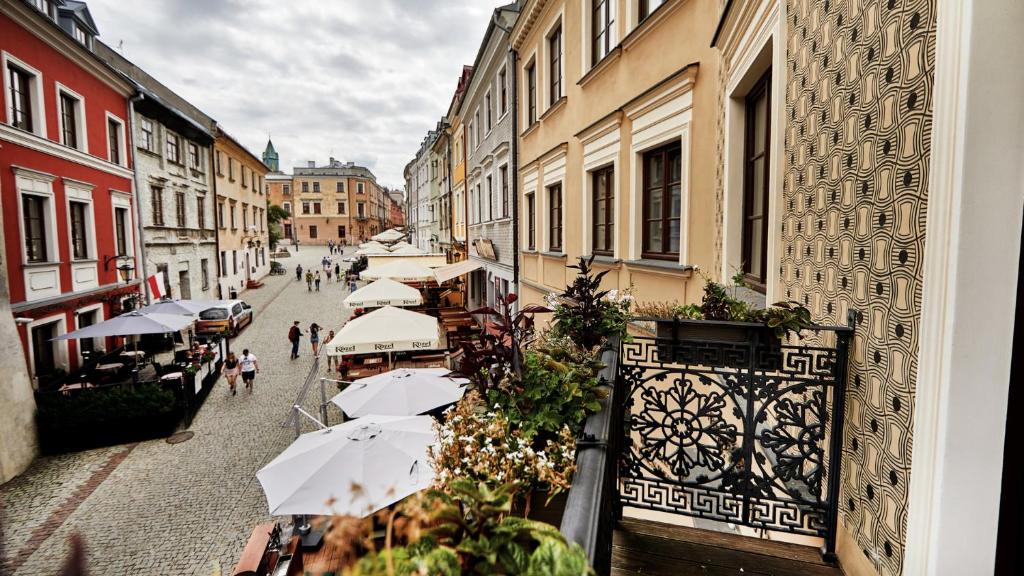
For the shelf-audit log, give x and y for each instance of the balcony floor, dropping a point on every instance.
(653, 548)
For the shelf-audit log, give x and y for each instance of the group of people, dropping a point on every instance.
(335, 248)
(247, 366)
(295, 335)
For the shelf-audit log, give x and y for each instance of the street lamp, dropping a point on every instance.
(125, 269)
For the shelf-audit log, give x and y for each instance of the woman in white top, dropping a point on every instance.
(250, 367)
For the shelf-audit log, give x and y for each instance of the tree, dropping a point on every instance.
(274, 216)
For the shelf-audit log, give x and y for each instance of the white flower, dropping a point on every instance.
(612, 295)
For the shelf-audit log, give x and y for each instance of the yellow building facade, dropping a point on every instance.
(242, 232)
(615, 99)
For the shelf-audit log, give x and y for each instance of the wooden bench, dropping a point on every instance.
(249, 564)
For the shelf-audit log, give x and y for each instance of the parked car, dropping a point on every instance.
(230, 316)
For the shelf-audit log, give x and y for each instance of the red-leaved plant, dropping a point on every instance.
(500, 351)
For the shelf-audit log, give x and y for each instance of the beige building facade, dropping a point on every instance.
(614, 101)
(243, 238)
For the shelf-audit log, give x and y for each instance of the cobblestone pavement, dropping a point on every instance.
(178, 509)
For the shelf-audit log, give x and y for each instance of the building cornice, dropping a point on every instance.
(528, 17)
(47, 146)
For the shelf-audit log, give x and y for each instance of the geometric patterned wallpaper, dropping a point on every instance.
(857, 145)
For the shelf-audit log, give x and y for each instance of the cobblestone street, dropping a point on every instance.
(157, 508)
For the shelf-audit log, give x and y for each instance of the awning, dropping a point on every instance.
(445, 273)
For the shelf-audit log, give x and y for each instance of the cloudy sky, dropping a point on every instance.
(360, 80)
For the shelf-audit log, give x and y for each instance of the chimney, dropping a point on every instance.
(311, 164)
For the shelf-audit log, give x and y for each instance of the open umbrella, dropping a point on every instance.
(402, 392)
(387, 329)
(384, 292)
(408, 250)
(185, 307)
(388, 236)
(355, 468)
(402, 270)
(372, 243)
(372, 251)
(131, 324)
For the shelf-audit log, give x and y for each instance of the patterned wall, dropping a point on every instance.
(858, 102)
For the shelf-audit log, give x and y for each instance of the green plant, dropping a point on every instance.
(275, 214)
(588, 314)
(500, 352)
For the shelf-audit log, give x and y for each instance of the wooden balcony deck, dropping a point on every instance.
(656, 549)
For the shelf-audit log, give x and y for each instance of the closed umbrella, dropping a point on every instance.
(355, 468)
(387, 329)
(402, 392)
(402, 270)
(384, 292)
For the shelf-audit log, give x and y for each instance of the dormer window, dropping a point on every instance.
(81, 36)
(46, 7)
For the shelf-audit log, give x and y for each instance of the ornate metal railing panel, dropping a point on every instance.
(725, 422)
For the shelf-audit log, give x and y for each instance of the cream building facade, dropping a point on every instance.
(242, 234)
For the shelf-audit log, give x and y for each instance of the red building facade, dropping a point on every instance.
(65, 182)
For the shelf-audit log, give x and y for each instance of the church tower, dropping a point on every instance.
(270, 157)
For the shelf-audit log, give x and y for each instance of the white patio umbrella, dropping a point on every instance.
(402, 270)
(384, 292)
(186, 307)
(372, 251)
(387, 329)
(388, 236)
(408, 251)
(402, 392)
(372, 243)
(400, 244)
(355, 468)
(132, 324)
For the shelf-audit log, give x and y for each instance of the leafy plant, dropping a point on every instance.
(499, 354)
(275, 214)
(586, 313)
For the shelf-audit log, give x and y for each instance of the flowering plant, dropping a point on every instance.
(485, 446)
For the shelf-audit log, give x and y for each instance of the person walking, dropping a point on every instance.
(309, 280)
(231, 371)
(316, 280)
(331, 360)
(314, 338)
(294, 335)
(250, 367)
(298, 272)
(337, 271)
(328, 275)
(352, 284)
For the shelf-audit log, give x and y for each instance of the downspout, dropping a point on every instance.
(451, 221)
(216, 211)
(136, 196)
(514, 57)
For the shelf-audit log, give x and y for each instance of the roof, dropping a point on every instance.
(514, 7)
(270, 148)
(80, 11)
(221, 133)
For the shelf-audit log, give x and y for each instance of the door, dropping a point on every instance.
(43, 357)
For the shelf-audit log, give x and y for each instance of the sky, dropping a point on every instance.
(359, 80)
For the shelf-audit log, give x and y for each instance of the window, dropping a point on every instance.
(470, 135)
(502, 92)
(305, 187)
(80, 35)
(234, 261)
(555, 218)
(531, 222)
(85, 319)
(662, 201)
(245, 177)
(531, 94)
(287, 190)
(173, 148)
(193, 156)
(44, 361)
(146, 141)
(647, 7)
(20, 98)
(487, 110)
(114, 141)
(341, 232)
(490, 198)
(223, 263)
(287, 206)
(79, 239)
(316, 187)
(220, 215)
(755, 181)
(601, 24)
(316, 208)
(603, 211)
(204, 271)
(121, 230)
(555, 64)
(234, 220)
(305, 207)
(361, 210)
(341, 208)
(503, 171)
(179, 208)
(69, 120)
(312, 233)
(359, 187)
(339, 186)
(476, 124)
(201, 212)
(245, 216)
(231, 169)
(158, 206)
(220, 163)
(33, 209)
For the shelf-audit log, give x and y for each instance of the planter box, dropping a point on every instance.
(718, 344)
(543, 511)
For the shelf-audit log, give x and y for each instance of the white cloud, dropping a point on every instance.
(360, 80)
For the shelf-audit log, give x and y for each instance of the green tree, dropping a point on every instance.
(274, 216)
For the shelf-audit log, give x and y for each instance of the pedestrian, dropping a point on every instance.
(309, 280)
(314, 338)
(250, 367)
(337, 271)
(298, 272)
(316, 280)
(352, 284)
(294, 335)
(332, 361)
(231, 371)
(328, 275)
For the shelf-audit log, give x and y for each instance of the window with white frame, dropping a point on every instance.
(173, 148)
(24, 96)
(488, 113)
(503, 172)
(490, 197)
(79, 215)
(72, 119)
(115, 141)
(147, 138)
(35, 213)
(531, 221)
(530, 73)
(554, 41)
(555, 217)
(502, 91)
(194, 159)
(602, 29)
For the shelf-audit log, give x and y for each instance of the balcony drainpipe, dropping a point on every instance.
(136, 196)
